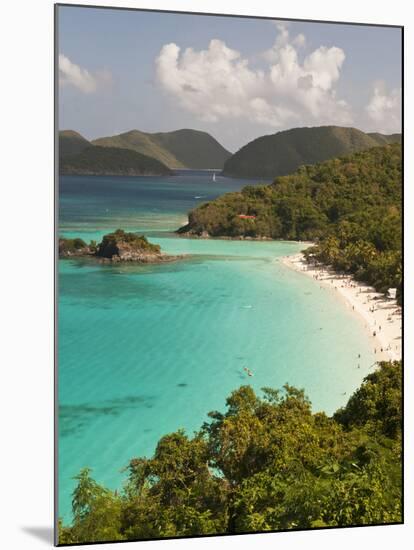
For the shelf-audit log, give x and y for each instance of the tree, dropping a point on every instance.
(96, 512)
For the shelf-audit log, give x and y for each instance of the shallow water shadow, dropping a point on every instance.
(44, 534)
(74, 418)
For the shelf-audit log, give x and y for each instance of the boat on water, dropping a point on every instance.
(248, 371)
(214, 176)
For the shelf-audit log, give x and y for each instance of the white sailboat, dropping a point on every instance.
(214, 176)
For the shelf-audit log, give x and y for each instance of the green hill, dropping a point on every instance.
(141, 143)
(71, 142)
(111, 161)
(282, 153)
(384, 139)
(194, 149)
(179, 149)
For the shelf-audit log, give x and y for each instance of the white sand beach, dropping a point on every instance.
(381, 315)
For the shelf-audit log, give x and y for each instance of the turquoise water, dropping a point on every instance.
(145, 350)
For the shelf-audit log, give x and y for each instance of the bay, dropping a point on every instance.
(146, 350)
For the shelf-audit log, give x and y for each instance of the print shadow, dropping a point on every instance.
(44, 534)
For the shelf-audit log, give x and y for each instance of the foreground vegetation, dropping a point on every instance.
(351, 206)
(267, 463)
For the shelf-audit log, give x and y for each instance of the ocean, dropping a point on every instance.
(147, 350)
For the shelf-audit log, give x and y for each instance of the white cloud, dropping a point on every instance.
(299, 40)
(71, 74)
(384, 109)
(219, 83)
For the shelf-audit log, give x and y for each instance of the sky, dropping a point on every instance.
(236, 78)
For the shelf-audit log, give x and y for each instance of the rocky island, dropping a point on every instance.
(115, 247)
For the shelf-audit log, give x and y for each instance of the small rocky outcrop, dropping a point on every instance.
(69, 248)
(118, 246)
(128, 247)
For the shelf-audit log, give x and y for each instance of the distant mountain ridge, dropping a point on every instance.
(265, 157)
(385, 139)
(282, 153)
(178, 149)
(71, 143)
(141, 143)
(111, 161)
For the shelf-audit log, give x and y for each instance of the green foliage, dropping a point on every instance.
(351, 194)
(282, 153)
(179, 149)
(96, 160)
(266, 463)
(381, 269)
(75, 246)
(377, 403)
(174, 492)
(96, 513)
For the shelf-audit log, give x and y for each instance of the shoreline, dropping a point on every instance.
(207, 237)
(381, 316)
(148, 259)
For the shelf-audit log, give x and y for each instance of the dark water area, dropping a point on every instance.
(146, 202)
